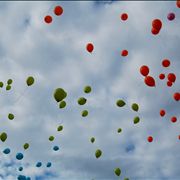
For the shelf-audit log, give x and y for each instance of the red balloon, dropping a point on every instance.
(176, 96)
(166, 63)
(154, 31)
(48, 19)
(124, 17)
(179, 137)
(169, 83)
(171, 77)
(124, 53)
(173, 119)
(149, 81)
(58, 10)
(178, 3)
(90, 47)
(162, 112)
(157, 24)
(150, 139)
(161, 76)
(144, 70)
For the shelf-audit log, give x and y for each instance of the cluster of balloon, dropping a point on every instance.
(58, 11)
(156, 26)
(59, 95)
(148, 80)
(8, 84)
(90, 47)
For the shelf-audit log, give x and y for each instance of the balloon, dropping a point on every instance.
(157, 24)
(55, 148)
(149, 81)
(171, 77)
(92, 139)
(1, 84)
(166, 63)
(51, 138)
(173, 119)
(124, 16)
(176, 96)
(144, 70)
(178, 3)
(169, 83)
(58, 10)
(20, 168)
(135, 107)
(6, 151)
(60, 128)
(3, 137)
(120, 103)
(124, 52)
(22, 177)
(30, 81)
(161, 76)
(59, 94)
(39, 164)
(9, 81)
(84, 113)
(62, 104)
(150, 139)
(90, 47)
(119, 130)
(87, 89)
(126, 178)
(136, 120)
(179, 137)
(98, 153)
(8, 87)
(19, 156)
(162, 112)
(171, 16)
(11, 116)
(154, 31)
(117, 171)
(48, 164)
(82, 101)
(48, 19)
(26, 146)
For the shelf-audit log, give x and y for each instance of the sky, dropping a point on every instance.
(55, 55)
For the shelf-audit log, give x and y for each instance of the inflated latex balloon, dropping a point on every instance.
(157, 24)
(60, 128)
(9, 81)
(51, 138)
(87, 89)
(92, 139)
(98, 153)
(144, 70)
(62, 104)
(149, 81)
(55, 148)
(59, 94)
(49, 164)
(135, 107)
(117, 171)
(120, 103)
(38, 164)
(48, 19)
(20, 168)
(10, 116)
(119, 130)
(171, 16)
(58, 10)
(136, 120)
(84, 113)
(6, 151)
(30, 81)
(90, 47)
(26, 146)
(3, 137)
(8, 87)
(82, 101)
(19, 156)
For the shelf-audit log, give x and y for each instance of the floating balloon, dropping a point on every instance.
(1, 84)
(162, 112)
(82, 101)
(169, 83)
(126, 178)
(176, 96)
(119, 130)
(10, 116)
(19, 156)
(154, 31)
(166, 63)
(171, 77)
(58, 10)
(30, 81)
(22, 177)
(38, 164)
(124, 53)
(62, 104)
(161, 76)
(3, 137)
(144, 70)
(6, 151)
(173, 119)
(55, 148)
(179, 137)
(149, 81)
(92, 139)
(60, 128)
(90, 47)
(135, 107)
(124, 16)
(48, 19)
(171, 16)
(59, 94)
(48, 164)
(20, 168)
(120, 103)
(51, 138)
(98, 153)
(150, 139)
(136, 120)
(84, 113)
(87, 89)
(26, 146)
(8, 87)
(157, 24)
(9, 81)
(178, 3)
(117, 171)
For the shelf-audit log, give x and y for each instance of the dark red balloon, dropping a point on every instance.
(154, 31)
(173, 119)
(157, 24)
(179, 137)
(90, 47)
(124, 16)
(150, 139)
(144, 70)
(166, 63)
(161, 76)
(169, 83)
(124, 52)
(149, 81)
(171, 77)
(176, 96)
(48, 19)
(178, 3)
(58, 10)
(162, 112)
(171, 16)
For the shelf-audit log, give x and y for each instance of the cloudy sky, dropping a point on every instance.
(55, 55)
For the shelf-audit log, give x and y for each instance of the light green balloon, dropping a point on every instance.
(135, 107)
(9, 81)
(82, 101)
(136, 120)
(119, 130)
(117, 171)
(51, 138)
(62, 104)
(98, 153)
(8, 87)
(60, 128)
(30, 81)
(84, 113)
(87, 89)
(3, 137)
(126, 178)
(26, 146)
(59, 94)
(92, 139)
(11, 116)
(1, 84)
(120, 103)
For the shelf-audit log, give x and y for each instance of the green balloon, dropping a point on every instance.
(62, 104)
(126, 178)
(117, 171)
(135, 107)
(84, 113)
(136, 120)
(8, 87)
(30, 81)
(9, 81)
(98, 153)
(82, 101)
(119, 130)
(1, 84)
(11, 116)
(26, 146)
(92, 139)
(51, 138)
(59, 94)
(3, 137)
(87, 89)
(60, 128)
(120, 103)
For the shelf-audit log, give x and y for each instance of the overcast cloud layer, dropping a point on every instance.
(56, 56)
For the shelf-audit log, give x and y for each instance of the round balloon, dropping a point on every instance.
(30, 81)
